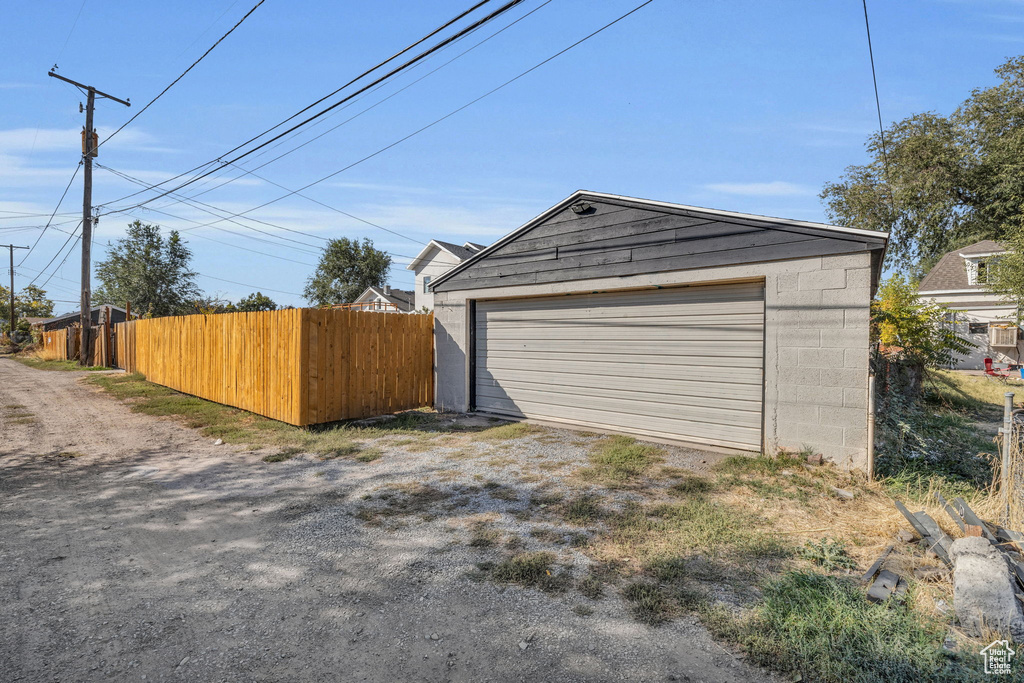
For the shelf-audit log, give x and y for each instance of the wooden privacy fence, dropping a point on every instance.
(301, 366)
(55, 344)
(65, 344)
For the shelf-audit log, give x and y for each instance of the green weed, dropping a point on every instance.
(618, 459)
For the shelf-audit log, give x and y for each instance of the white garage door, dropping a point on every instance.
(681, 363)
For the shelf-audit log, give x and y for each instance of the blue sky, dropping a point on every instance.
(744, 105)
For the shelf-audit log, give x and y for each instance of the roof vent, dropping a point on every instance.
(581, 207)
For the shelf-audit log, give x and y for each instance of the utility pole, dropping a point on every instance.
(11, 248)
(88, 152)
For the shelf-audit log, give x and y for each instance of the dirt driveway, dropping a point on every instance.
(131, 548)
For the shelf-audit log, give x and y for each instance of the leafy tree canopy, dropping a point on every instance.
(256, 302)
(951, 180)
(347, 267)
(149, 271)
(30, 302)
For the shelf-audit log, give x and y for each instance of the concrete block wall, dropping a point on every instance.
(821, 320)
(816, 345)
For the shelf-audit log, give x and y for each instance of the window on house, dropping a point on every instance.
(426, 283)
(981, 271)
(977, 328)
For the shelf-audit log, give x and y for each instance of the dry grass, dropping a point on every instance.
(508, 432)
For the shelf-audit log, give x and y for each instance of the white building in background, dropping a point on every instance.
(433, 261)
(384, 299)
(959, 281)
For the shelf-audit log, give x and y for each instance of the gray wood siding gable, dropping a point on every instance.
(621, 238)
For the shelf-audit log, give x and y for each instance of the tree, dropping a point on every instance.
(256, 302)
(913, 334)
(347, 267)
(211, 304)
(30, 302)
(149, 271)
(950, 181)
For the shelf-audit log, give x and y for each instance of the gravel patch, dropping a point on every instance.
(154, 554)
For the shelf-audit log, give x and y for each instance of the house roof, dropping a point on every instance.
(76, 314)
(461, 253)
(401, 298)
(653, 204)
(950, 273)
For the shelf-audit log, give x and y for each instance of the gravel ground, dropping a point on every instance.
(131, 548)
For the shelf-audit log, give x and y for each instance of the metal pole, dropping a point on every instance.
(11, 248)
(871, 427)
(1004, 476)
(85, 319)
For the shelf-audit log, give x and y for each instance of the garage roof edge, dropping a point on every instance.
(580, 194)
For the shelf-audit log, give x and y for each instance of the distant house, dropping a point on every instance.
(117, 315)
(384, 299)
(959, 282)
(436, 259)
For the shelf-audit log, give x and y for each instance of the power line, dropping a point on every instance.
(50, 220)
(301, 111)
(172, 84)
(472, 27)
(878, 104)
(377, 104)
(442, 118)
(373, 106)
(70, 32)
(66, 242)
(210, 209)
(188, 201)
(242, 284)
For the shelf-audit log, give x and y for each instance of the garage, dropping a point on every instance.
(700, 326)
(680, 363)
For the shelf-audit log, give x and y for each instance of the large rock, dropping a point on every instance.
(983, 589)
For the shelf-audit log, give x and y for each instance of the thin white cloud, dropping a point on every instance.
(65, 139)
(776, 188)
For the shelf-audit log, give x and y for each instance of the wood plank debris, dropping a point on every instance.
(957, 519)
(883, 586)
(970, 518)
(938, 541)
(873, 569)
(921, 531)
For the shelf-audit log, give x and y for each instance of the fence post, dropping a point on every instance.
(871, 427)
(1004, 476)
